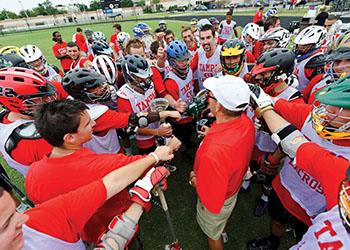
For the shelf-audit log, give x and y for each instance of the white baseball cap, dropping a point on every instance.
(230, 91)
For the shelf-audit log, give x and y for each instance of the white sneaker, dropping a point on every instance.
(224, 237)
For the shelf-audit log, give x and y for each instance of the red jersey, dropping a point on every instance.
(158, 83)
(65, 216)
(60, 49)
(249, 57)
(80, 41)
(51, 177)
(258, 17)
(113, 39)
(222, 160)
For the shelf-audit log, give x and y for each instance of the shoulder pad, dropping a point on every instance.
(121, 93)
(25, 131)
(296, 95)
(316, 61)
(55, 68)
(96, 110)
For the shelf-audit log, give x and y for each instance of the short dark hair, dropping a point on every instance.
(72, 44)
(207, 27)
(185, 28)
(2, 190)
(79, 29)
(55, 119)
(117, 26)
(168, 32)
(158, 30)
(53, 35)
(229, 13)
(270, 21)
(154, 47)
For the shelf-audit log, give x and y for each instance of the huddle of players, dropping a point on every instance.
(297, 194)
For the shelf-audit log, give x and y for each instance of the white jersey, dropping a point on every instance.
(5, 132)
(139, 103)
(106, 144)
(226, 30)
(34, 240)
(299, 71)
(304, 188)
(207, 67)
(52, 75)
(263, 139)
(326, 232)
(185, 85)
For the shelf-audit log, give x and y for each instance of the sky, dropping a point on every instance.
(14, 5)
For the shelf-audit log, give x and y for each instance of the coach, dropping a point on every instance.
(223, 156)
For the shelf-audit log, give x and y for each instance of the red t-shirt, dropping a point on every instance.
(323, 169)
(51, 177)
(64, 216)
(222, 160)
(194, 62)
(113, 39)
(111, 120)
(59, 49)
(81, 42)
(258, 17)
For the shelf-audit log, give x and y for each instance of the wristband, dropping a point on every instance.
(260, 111)
(155, 156)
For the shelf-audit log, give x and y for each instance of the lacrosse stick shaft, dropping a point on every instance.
(166, 210)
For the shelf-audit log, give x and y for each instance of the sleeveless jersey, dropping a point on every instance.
(207, 67)
(326, 232)
(304, 188)
(139, 103)
(227, 29)
(106, 144)
(52, 75)
(34, 240)
(299, 71)
(5, 132)
(79, 64)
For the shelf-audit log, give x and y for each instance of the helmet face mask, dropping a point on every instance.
(29, 104)
(331, 122)
(100, 93)
(269, 44)
(178, 57)
(232, 57)
(39, 65)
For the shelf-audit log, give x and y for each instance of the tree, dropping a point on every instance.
(5, 14)
(155, 1)
(126, 3)
(81, 7)
(94, 5)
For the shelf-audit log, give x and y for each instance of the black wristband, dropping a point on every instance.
(285, 132)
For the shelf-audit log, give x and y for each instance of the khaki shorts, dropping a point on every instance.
(214, 224)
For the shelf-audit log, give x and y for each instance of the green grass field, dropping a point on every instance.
(242, 227)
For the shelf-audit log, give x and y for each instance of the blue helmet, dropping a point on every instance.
(140, 29)
(177, 51)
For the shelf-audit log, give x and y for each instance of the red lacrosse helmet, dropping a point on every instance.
(22, 89)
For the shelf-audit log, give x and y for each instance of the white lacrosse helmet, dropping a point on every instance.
(279, 34)
(203, 22)
(105, 66)
(313, 34)
(30, 53)
(123, 38)
(251, 29)
(98, 36)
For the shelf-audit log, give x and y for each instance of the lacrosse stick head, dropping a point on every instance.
(159, 104)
